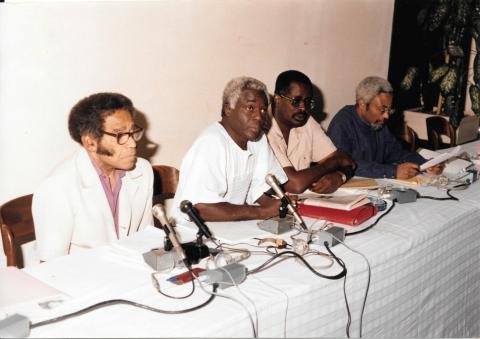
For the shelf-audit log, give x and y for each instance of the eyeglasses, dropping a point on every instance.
(388, 110)
(308, 103)
(385, 109)
(123, 137)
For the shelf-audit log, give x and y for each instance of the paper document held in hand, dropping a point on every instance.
(440, 158)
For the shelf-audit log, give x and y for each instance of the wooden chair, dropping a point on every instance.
(410, 139)
(165, 181)
(17, 228)
(438, 127)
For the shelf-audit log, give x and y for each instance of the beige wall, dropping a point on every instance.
(172, 58)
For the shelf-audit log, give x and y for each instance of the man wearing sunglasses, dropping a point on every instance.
(307, 155)
(359, 130)
(102, 193)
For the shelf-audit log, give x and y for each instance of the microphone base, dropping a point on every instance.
(195, 252)
(162, 260)
(236, 271)
(277, 225)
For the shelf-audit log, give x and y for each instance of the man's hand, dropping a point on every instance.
(407, 170)
(269, 207)
(328, 183)
(344, 160)
(436, 170)
(336, 160)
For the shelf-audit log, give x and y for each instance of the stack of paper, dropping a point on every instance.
(361, 183)
(341, 202)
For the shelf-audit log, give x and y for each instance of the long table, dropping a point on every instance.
(425, 282)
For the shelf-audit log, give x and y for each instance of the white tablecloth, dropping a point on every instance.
(425, 282)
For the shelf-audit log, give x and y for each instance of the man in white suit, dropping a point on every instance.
(104, 192)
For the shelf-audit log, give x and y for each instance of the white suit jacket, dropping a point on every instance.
(70, 209)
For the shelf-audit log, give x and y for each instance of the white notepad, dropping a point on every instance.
(339, 201)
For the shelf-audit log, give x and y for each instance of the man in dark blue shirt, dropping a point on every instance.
(359, 131)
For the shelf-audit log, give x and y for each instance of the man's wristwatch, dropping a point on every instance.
(344, 177)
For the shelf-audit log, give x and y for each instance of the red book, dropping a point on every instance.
(353, 217)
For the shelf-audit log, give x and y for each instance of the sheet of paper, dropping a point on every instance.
(415, 181)
(453, 168)
(440, 158)
(17, 286)
(345, 202)
(236, 231)
(338, 193)
(360, 183)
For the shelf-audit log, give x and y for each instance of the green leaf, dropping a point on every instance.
(474, 92)
(438, 73)
(476, 69)
(449, 82)
(407, 82)
(438, 14)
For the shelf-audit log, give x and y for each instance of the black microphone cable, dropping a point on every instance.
(295, 254)
(156, 284)
(126, 302)
(376, 221)
(450, 197)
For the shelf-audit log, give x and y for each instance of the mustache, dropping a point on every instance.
(302, 114)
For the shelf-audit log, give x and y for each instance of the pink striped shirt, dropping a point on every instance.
(111, 195)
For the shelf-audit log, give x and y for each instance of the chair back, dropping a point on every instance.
(17, 228)
(468, 129)
(436, 128)
(411, 139)
(165, 180)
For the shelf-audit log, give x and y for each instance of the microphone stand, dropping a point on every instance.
(167, 243)
(196, 250)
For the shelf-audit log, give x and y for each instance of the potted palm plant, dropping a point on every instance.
(439, 76)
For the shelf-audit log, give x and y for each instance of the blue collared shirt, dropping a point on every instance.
(376, 152)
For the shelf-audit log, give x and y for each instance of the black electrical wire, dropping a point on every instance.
(341, 263)
(376, 221)
(450, 197)
(349, 316)
(127, 302)
(333, 277)
(159, 290)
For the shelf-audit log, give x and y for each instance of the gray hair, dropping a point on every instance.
(234, 89)
(370, 87)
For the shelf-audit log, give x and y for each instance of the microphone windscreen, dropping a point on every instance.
(270, 179)
(185, 205)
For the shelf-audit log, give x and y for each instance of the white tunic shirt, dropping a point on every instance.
(216, 169)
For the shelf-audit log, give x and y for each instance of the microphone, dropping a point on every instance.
(159, 212)
(272, 182)
(187, 208)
